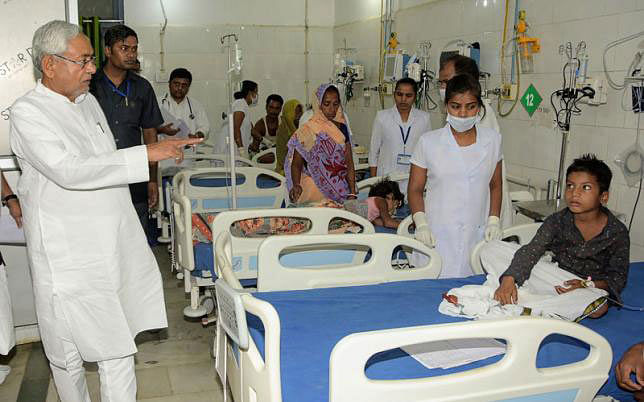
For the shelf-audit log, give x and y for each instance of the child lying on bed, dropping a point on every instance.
(380, 206)
(585, 238)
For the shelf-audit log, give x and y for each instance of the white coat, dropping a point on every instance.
(190, 111)
(190, 117)
(95, 278)
(7, 334)
(458, 194)
(387, 141)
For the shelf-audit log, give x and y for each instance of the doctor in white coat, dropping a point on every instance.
(96, 282)
(395, 133)
(457, 65)
(461, 165)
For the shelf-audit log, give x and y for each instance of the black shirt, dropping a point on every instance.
(605, 257)
(127, 118)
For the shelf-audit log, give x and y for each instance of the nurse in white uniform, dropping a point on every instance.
(96, 282)
(395, 133)
(457, 65)
(242, 125)
(461, 165)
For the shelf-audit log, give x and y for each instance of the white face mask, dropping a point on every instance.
(462, 124)
(254, 100)
(441, 91)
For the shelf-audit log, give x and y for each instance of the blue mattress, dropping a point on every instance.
(204, 262)
(313, 321)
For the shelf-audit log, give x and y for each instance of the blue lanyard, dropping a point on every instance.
(404, 137)
(118, 91)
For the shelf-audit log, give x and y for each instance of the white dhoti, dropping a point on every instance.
(537, 296)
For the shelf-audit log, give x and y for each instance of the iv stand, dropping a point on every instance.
(562, 161)
(231, 130)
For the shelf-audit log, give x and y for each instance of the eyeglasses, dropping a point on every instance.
(81, 63)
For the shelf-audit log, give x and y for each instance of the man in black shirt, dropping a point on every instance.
(130, 105)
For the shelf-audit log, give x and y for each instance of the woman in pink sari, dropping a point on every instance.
(319, 164)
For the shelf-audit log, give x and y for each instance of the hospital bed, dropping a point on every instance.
(213, 186)
(344, 345)
(274, 274)
(164, 181)
(198, 259)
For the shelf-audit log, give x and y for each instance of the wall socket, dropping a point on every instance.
(509, 91)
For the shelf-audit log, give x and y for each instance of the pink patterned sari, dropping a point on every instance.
(322, 146)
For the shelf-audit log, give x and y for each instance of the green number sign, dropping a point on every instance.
(531, 100)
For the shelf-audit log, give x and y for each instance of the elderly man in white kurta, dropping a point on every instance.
(96, 282)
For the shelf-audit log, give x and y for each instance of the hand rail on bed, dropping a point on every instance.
(514, 376)
(403, 228)
(273, 275)
(253, 375)
(263, 153)
(245, 248)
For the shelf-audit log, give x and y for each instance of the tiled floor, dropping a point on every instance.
(173, 365)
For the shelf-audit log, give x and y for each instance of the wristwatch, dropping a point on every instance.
(7, 198)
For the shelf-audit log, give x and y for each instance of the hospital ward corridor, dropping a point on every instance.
(172, 365)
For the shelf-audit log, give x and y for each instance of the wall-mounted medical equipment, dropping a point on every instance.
(458, 46)
(631, 160)
(568, 98)
(527, 45)
(394, 67)
(347, 71)
(420, 72)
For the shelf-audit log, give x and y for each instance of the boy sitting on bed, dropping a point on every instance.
(585, 238)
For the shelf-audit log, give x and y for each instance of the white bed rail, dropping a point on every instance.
(273, 275)
(261, 154)
(515, 376)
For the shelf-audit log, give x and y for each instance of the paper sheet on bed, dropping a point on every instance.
(453, 353)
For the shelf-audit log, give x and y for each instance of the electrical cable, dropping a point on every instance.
(637, 137)
(516, 98)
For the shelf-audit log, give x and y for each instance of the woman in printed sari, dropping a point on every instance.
(319, 164)
(291, 114)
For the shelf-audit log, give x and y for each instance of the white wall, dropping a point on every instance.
(16, 67)
(271, 35)
(531, 147)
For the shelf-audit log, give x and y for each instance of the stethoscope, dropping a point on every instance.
(191, 116)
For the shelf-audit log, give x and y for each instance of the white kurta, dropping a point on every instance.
(458, 194)
(387, 141)
(96, 281)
